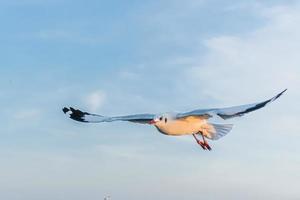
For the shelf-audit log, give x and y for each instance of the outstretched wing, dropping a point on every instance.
(81, 116)
(230, 112)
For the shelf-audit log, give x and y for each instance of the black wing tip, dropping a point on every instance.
(65, 110)
(75, 114)
(278, 95)
(284, 91)
(256, 107)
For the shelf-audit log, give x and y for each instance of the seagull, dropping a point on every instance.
(196, 123)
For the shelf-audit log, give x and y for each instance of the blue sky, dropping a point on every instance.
(123, 57)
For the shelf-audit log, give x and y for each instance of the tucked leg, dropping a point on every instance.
(202, 144)
(205, 143)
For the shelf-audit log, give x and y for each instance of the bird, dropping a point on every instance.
(197, 123)
(107, 198)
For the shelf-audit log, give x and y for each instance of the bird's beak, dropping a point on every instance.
(153, 121)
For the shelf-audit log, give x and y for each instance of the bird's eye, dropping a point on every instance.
(161, 118)
(166, 120)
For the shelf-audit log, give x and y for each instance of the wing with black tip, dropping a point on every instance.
(230, 112)
(81, 116)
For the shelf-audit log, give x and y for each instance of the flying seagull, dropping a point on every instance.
(195, 123)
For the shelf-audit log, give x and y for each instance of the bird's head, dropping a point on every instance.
(161, 120)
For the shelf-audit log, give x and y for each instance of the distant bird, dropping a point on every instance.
(196, 122)
(107, 198)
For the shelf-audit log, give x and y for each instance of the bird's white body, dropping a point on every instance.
(185, 126)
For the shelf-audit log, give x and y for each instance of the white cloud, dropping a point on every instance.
(260, 63)
(95, 100)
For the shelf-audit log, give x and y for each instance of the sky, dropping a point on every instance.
(126, 57)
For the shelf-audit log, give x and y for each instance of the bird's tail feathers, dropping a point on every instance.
(216, 131)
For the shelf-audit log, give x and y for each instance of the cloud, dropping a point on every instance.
(266, 58)
(95, 100)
